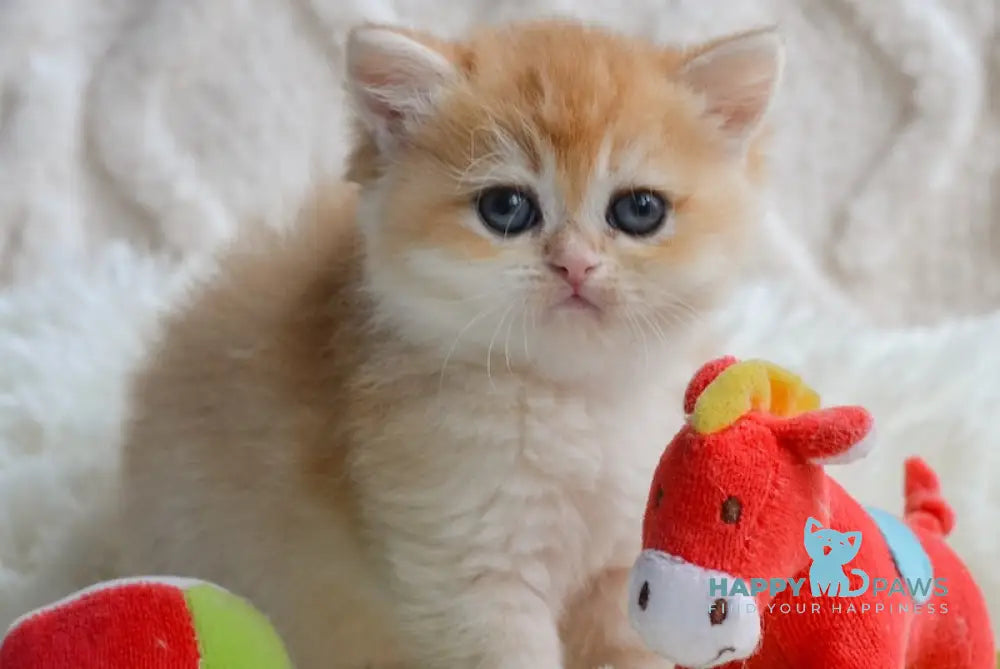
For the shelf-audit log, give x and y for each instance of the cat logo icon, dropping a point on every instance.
(830, 551)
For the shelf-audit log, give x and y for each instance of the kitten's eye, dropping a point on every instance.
(732, 509)
(638, 213)
(507, 210)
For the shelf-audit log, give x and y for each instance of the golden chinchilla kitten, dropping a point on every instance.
(418, 428)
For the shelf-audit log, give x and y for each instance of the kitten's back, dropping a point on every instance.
(230, 408)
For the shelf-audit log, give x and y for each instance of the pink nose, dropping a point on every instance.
(574, 270)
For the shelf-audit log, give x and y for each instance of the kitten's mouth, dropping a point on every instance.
(576, 302)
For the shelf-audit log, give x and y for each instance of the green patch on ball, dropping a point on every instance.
(232, 633)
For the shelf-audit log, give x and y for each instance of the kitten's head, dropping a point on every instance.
(559, 194)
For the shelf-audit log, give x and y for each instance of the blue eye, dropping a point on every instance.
(638, 213)
(507, 211)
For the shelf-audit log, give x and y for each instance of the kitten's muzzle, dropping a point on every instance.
(679, 615)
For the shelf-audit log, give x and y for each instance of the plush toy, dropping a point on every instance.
(155, 623)
(753, 557)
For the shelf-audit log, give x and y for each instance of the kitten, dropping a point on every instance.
(418, 429)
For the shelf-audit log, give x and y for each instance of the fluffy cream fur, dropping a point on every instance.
(398, 443)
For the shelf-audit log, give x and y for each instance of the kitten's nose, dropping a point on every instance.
(574, 269)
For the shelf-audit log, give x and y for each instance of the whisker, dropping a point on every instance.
(489, 351)
(682, 315)
(661, 320)
(645, 342)
(656, 320)
(468, 298)
(633, 325)
(653, 327)
(506, 339)
(524, 327)
(465, 179)
(678, 310)
(534, 322)
(454, 344)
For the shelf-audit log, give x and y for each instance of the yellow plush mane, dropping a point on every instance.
(751, 385)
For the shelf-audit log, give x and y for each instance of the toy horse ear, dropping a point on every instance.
(835, 436)
(702, 378)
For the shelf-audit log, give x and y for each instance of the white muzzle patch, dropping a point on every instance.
(672, 606)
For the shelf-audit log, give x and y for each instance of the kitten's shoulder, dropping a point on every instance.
(313, 264)
(275, 298)
(244, 395)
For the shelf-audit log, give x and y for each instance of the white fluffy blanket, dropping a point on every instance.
(135, 129)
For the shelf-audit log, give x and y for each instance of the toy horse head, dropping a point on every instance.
(728, 501)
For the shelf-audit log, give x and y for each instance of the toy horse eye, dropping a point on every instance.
(732, 509)
(659, 497)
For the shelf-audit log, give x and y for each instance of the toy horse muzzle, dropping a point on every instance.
(679, 614)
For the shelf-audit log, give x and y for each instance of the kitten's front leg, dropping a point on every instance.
(486, 623)
(596, 629)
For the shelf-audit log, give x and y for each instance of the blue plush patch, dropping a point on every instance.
(912, 561)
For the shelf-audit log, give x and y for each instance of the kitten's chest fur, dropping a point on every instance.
(517, 475)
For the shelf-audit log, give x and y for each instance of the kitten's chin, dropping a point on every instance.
(568, 340)
(580, 342)
(564, 356)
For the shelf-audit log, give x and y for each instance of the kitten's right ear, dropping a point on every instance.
(395, 79)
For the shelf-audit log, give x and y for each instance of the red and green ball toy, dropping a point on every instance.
(145, 623)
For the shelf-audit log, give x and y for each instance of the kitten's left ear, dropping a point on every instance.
(737, 77)
(395, 77)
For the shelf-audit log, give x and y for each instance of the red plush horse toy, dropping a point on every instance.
(753, 557)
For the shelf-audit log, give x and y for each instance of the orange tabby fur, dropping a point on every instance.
(326, 429)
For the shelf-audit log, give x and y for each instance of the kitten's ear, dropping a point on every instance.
(737, 77)
(395, 78)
